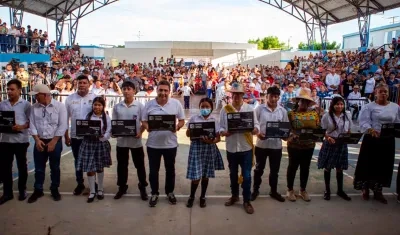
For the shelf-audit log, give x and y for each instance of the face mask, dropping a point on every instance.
(205, 112)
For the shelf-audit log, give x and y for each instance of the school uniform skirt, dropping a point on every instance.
(374, 168)
(94, 155)
(204, 160)
(333, 156)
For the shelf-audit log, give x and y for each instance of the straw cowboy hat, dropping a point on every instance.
(236, 88)
(305, 95)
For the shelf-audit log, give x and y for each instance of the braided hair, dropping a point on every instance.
(103, 113)
(334, 101)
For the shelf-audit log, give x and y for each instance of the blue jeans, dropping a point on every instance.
(75, 145)
(176, 86)
(3, 43)
(186, 100)
(209, 93)
(40, 159)
(245, 161)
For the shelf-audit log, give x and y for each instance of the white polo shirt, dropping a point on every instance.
(265, 114)
(78, 107)
(163, 139)
(122, 111)
(22, 109)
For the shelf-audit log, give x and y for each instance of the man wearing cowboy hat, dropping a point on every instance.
(239, 147)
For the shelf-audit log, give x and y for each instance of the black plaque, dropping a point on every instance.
(277, 130)
(88, 127)
(240, 122)
(162, 122)
(7, 121)
(122, 128)
(315, 135)
(199, 130)
(348, 138)
(390, 130)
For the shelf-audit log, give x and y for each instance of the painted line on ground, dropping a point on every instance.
(208, 196)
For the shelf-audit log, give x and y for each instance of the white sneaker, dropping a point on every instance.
(291, 196)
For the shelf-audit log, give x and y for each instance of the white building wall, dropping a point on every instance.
(149, 44)
(351, 42)
(132, 55)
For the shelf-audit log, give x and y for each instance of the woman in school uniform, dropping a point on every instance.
(374, 168)
(204, 155)
(332, 154)
(95, 152)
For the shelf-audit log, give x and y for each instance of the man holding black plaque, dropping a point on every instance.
(266, 146)
(238, 123)
(14, 143)
(162, 140)
(47, 125)
(78, 105)
(129, 109)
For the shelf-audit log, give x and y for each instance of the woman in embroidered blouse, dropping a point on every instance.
(95, 152)
(376, 159)
(334, 155)
(301, 152)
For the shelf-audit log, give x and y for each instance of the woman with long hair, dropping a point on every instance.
(95, 151)
(376, 159)
(332, 154)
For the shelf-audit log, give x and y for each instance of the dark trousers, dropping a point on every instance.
(40, 159)
(302, 158)
(75, 145)
(8, 150)
(186, 100)
(275, 156)
(154, 166)
(245, 161)
(123, 163)
(398, 180)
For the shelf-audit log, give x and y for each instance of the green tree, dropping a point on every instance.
(270, 42)
(318, 46)
(120, 46)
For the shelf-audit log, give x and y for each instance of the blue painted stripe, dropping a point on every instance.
(283, 61)
(98, 57)
(390, 26)
(28, 58)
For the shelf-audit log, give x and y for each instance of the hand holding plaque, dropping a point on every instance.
(277, 130)
(162, 122)
(202, 130)
(122, 128)
(88, 127)
(7, 122)
(240, 121)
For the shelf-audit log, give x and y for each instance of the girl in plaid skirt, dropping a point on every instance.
(204, 155)
(95, 151)
(334, 155)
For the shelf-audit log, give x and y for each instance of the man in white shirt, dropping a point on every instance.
(130, 109)
(97, 88)
(15, 143)
(78, 105)
(186, 91)
(354, 102)
(162, 143)
(332, 81)
(239, 148)
(272, 148)
(47, 125)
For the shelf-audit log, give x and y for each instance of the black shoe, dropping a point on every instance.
(55, 195)
(153, 200)
(203, 202)
(143, 194)
(79, 189)
(5, 198)
(189, 204)
(91, 199)
(22, 196)
(100, 196)
(343, 195)
(35, 196)
(277, 196)
(327, 195)
(171, 198)
(119, 194)
(254, 195)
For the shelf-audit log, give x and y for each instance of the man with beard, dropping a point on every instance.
(162, 143)
(78, 105)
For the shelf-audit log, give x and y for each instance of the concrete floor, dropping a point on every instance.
(130, 215)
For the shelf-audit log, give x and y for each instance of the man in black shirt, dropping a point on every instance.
(347, 85)
(29, 40)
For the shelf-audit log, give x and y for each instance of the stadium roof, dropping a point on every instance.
(51, 9)
(337, 11)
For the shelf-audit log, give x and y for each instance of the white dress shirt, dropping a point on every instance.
(48, 121)
(342, 126)
(332, 79)
(236, 142)
(105, 133)
(22, 109)
(186, 90)
(373, 115)
(353, 95)
(122, 111)
(163, 139)
(77, 108)
(98, 91)
(264, 114)
(369, 85)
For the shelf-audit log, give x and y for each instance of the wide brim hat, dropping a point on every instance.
(305, 95)
(236, 88)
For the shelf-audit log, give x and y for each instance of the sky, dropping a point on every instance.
(201, 20)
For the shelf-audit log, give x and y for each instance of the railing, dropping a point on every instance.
(21, 44)
(370, 53)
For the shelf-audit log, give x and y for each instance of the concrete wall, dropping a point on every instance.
(189, 45)
(132, 55)
(149, 44)
(240, 57)
(97, 53)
